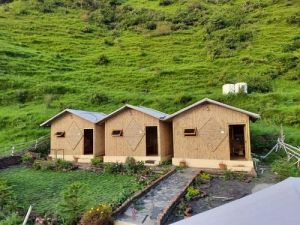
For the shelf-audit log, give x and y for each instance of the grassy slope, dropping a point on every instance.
(42, 54)
(42, 188)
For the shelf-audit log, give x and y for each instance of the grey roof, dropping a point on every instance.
(92, 117)
(276, 205)
(151, 112)
(205, 100)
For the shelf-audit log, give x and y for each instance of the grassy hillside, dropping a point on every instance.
(97, 55)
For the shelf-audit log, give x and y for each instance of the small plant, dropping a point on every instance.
(100, 215)
(7, 198)
(27, 159)
(285, 169)
(192, 193)
(113, 168)
(12, 219)
(99, 98)
(229, 175)
(166, 2)
(63, 165)
(103, 60)
(97, 161)
(204, 176)
(87, 29)
(71, 205)
(151, 25)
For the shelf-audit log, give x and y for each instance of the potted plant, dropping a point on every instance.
(182, 164)
(75, 159)
(222, 166)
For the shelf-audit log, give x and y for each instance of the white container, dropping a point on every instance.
(241, 87)
(228, 89)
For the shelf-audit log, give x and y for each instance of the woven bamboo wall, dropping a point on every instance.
(133, 141)
(72, 143)
(212, 139)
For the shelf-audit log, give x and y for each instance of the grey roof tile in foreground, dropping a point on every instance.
(92, 117)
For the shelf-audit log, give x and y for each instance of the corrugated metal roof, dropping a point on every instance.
(151, 112)
(92, 117)
(251, 114)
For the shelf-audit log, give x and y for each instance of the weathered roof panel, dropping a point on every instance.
(92, 117)
(205, 100)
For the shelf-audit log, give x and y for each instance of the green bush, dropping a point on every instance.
(87, 29)
(295, 45)
(12, 219)
(27, 159)
(99, 98)
(56, 165)
(113, 168)
(191, 193)
(71, 205)
(63, 165)
(100, 215)
(7, 198)
(285, 169)
(166, 2)
(259, 83)
(103, 60)
(97, 161)
(151, 25)
(294, 19)
(130, 165)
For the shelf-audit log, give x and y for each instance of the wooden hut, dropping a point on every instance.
(138, 132)
(210, 134)
(75, 136)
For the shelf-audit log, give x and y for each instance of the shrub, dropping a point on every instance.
(27, 159)
(162, 29)
(7, 198)
(294, 19)
(229, 175)
(44, 165)
(63, 165)
(71, 205)
(295, 45)
(130, 165)
(217, 22)
(100, 215)
(191, 193)
(285, 169)
(57, 165)
(103, 60)
(151, 25)
(108, 42)
(22, 96)
(13, 219)
(113, 168)
(99, 98)
(259, 83)
(87, 29)
(97, 161)
(166, 2)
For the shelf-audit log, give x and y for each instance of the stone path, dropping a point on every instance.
(147, 209)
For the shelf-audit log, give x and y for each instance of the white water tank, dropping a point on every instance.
(228, 89)
(241, 87)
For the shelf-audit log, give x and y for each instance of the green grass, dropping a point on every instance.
(47, 56)
(42, 188)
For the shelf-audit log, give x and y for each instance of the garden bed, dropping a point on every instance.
(216, 191)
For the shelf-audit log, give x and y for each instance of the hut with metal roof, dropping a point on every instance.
(210, 134)
(138, 132)
(75, 135)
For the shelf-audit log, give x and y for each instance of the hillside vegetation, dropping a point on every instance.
(97, 55)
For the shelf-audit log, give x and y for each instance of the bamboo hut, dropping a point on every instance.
(75, 136)
(210, 134)
(138, 132)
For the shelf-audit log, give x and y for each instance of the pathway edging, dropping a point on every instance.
(125, 205)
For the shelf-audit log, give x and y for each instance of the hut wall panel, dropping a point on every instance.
(99, 140)
(166, 138)
(118, 146)
(64, 123)
(212, 139)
